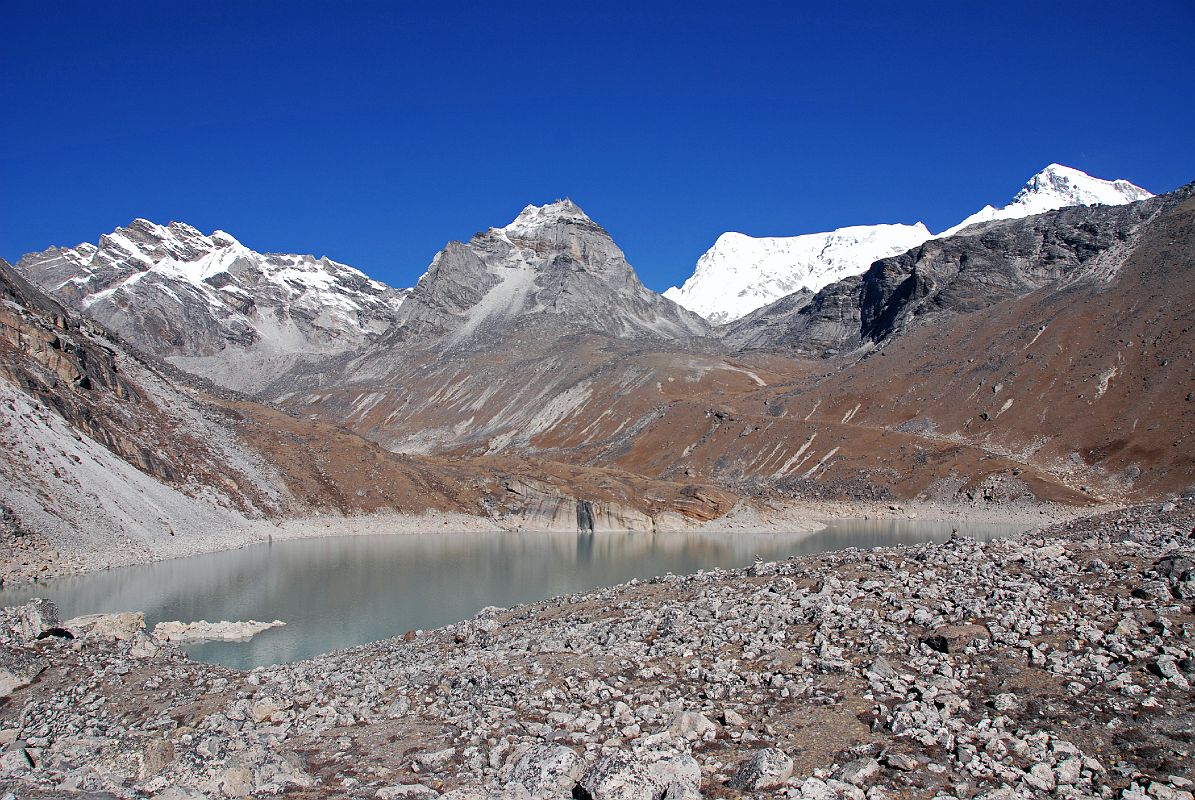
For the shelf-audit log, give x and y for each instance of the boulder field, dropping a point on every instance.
(1057, 663)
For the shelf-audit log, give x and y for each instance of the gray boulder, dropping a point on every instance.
(543, 768)
(119, 626)
(26, 622)
(18, 669)
(624, 776)
(860, 772)
(766, 769)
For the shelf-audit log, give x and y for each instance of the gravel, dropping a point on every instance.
(1056, 663)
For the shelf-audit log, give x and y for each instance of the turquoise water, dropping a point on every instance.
(343, 591)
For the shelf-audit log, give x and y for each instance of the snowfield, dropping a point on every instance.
(741, 273)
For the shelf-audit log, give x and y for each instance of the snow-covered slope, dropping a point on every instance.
(211, 305)
(741, 273)
(1057, 187)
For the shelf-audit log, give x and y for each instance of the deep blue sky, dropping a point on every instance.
(374, 133)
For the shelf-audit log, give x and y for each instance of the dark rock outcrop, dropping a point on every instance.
(977, 268)
(69, 368)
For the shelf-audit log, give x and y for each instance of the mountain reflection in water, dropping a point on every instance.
(344, 591)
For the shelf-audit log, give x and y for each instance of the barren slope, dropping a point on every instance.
(1093, 382)
(1010, 366)
(112, 457)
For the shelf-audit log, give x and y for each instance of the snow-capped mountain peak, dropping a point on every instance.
(222, 238)
(188, 296)
(534, 218)
(741, 273)
(1057, 182)
(1055, 187)
(179, 251)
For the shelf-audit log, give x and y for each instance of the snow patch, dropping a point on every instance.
(792, 461)
(1105, 378)
(820, 463)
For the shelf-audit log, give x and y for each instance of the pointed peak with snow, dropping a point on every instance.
(1077, 188)
(1054, 187)
(533, 217)
(552, 265)
(224, 238)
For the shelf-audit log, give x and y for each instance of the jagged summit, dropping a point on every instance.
(1057, 186)
(187, 296)
(149, 243)
(534, 218)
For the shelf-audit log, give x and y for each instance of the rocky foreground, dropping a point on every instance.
(1058, 663)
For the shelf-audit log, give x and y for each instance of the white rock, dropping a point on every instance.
(204, 631)
(120, 626)
(693, 725)
(543, 768)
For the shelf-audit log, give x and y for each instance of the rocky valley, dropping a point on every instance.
(167, 393)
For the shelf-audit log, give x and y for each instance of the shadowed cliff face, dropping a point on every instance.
(997, 261)
(66, 365)
(985, 265)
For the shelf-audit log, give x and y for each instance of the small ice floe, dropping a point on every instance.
(204, 631)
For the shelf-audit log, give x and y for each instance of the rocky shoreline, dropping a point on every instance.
(1056, 663)
(34, 560)
(31, 559)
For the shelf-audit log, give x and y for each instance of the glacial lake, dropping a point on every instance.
(343, 591)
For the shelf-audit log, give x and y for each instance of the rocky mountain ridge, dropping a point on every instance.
(741, 274)
(551, 262)
(217, 309)
(211, 305)
(983, 265)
